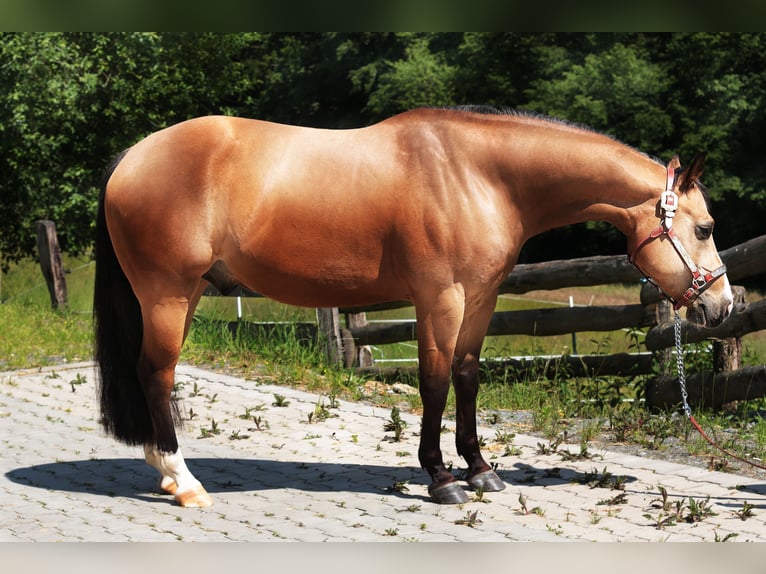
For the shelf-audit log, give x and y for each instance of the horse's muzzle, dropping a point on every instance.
(709, 311)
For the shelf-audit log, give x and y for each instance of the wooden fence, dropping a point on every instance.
(347, 344)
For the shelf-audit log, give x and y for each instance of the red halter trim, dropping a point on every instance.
(700, 280)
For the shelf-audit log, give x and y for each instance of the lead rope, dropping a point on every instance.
(685, 396)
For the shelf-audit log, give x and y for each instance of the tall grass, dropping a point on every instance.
(284, 353)
(24, 285)
(33, 336)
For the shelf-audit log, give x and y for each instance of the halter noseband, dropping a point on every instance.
(700, 280)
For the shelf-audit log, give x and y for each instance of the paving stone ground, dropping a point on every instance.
(287, 473)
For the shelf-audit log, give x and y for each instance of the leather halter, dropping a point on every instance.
(701, 277)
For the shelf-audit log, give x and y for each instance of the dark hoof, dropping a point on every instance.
(449, 493)
(487, 481)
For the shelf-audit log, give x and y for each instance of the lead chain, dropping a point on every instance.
(680, 365)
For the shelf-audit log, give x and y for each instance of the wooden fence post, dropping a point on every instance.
(727, 353)
(328, 323)
(356, 356)
(664, 357)
(663, 313)
(50, 262)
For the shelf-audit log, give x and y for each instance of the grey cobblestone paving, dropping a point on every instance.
(290, 478)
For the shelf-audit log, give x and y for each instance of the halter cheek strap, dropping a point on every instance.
(701, 278)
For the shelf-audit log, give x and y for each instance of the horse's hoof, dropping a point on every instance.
(487, 481)
(449, 493)
(194, 498)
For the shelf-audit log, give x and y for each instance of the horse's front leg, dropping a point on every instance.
(438, 324)
(434, 387)
(466, 380)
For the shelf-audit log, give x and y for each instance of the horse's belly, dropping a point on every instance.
(313, 292)
(317, 281)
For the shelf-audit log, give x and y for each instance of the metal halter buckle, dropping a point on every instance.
(669, 204)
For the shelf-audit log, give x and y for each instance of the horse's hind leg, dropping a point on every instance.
(165, 324)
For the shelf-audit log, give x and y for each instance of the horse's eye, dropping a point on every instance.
(703, 232)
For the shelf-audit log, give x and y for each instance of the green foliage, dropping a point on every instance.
(422, 78)
(395, 424)
(617, 91)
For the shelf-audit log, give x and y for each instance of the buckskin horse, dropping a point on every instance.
(431, 206)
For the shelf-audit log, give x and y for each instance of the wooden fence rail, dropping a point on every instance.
(745, 318)
(711, 390)
(533, 322)
(744, 260)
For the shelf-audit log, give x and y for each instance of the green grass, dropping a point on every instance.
(24, 284)
(283, 354)
(34, 335)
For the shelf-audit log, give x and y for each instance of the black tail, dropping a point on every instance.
(118, 330)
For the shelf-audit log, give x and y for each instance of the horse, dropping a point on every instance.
(432, 205)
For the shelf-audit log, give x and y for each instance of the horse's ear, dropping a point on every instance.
(692, 173)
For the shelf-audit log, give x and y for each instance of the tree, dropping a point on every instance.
(718, 101)
(618, 91)
(421, 78)
(496, 69)
(42, 125)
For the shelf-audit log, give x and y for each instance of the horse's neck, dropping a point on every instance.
(586, 180)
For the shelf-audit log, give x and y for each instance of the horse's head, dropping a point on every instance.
(674, 247)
